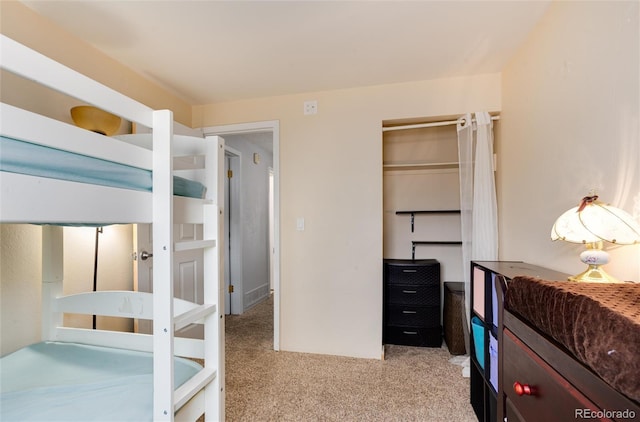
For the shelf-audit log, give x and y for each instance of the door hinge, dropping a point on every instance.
(229, 174)
(230, 288)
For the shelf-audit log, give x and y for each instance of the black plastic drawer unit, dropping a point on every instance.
(412, 302)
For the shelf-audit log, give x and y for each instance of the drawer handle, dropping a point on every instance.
(410, 291)
(409, 271)
(523, 389)
(413, 333)
(409, 312)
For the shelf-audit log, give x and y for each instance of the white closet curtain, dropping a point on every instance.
(478, 205)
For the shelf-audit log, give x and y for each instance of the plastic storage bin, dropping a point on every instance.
(478, 339)
(493, 361)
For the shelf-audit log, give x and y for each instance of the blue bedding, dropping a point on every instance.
(52, 381)
(37, 160)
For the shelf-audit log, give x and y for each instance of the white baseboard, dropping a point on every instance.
(254, 296)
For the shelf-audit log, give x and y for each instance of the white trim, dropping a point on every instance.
(265, 126)
(272, 126)
(256, 295)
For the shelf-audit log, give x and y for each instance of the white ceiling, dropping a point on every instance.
(216, 51)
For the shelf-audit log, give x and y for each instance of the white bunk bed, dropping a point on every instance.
(52, 202)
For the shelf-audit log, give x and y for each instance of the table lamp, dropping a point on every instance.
(592, 223)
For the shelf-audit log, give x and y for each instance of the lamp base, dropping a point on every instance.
(594, 274)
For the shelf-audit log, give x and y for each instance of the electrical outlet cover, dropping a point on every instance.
(310, 107)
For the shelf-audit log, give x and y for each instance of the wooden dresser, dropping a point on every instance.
(541, 381)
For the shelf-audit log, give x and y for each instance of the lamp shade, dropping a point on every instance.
(594, 221)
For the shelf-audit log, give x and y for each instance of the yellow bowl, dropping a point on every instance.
(95, 120)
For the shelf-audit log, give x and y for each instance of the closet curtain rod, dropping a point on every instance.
(431, 124)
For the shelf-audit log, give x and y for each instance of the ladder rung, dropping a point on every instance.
(193, 315)
(189, 245)
(192, 386)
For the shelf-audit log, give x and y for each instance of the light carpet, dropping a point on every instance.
(411, 384)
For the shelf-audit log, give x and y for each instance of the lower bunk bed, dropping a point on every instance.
(60, 381)
(568, 351)
(84, 374)
(51, 174)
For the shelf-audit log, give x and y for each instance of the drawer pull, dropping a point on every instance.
(409, 312)
(410, 291)
(409, 271)
(523, 389)
(412, 333)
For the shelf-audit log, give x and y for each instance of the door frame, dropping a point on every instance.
(272, 126)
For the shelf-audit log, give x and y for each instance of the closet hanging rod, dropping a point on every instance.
(431, 124)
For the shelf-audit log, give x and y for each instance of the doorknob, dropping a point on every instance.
(144, 255)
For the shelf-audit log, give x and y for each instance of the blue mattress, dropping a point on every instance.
(37, 160)
(52, 381)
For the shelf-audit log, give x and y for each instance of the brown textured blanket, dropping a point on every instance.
(598, 323)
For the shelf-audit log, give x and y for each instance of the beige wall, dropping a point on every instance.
(569, 125)
(21, 277)
(20, 286)
(27, 27)
(115, 268)
(331, 174)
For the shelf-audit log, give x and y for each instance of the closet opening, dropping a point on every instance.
(421, 192)
(423, 250)
(426, 226)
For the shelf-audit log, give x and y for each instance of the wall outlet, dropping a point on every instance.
(310, 107)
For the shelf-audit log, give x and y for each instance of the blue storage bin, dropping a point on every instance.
(478, 339)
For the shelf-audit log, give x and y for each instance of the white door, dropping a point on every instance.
(142, 269)
(272, 248)
(188, 278)
(227, 236)
(233, 259)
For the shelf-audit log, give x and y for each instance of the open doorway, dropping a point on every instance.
(254, 246)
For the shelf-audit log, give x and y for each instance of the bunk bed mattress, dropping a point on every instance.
(36, 160)
(598, 323)
(68, 381)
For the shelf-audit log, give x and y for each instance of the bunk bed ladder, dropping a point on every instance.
(206, 385)
(200, 385)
